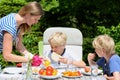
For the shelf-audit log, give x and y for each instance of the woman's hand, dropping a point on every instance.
(28, 55)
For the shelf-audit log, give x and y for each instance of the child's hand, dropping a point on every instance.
(91, 56)
(46, 61)
(63, 60)
(109, 78)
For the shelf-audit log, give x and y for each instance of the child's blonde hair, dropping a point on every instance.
(106, 42)
(58, 39)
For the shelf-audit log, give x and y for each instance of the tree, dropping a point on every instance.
(9, 6)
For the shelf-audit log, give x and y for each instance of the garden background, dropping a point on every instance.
(91, 17)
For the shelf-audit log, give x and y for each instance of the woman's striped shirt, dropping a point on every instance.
(7, 23)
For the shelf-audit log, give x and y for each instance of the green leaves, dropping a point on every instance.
(48, 4)
(31, 40)
(10, 6)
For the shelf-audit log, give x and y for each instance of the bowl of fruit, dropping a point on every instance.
(49, 72)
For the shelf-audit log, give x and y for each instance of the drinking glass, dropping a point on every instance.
(27, 71)
(94, 70)
(69, 64)
(24, 67)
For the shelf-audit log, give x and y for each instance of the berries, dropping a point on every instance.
(19, 64)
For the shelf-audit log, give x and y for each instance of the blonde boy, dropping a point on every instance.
(57, 42)
(110, 62)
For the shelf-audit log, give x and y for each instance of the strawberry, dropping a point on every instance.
(19, 64)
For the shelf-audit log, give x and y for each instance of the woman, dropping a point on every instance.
(110, 62)
(12, 28)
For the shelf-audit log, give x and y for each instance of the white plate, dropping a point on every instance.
(12, 70)
(89, 73)
(50, 77)
(72, 76)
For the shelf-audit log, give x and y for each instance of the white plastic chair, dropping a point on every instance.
(74, 39)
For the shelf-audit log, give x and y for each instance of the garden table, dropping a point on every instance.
(4, 76)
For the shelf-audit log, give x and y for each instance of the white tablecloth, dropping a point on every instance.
(11, 77)
(37, 77)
